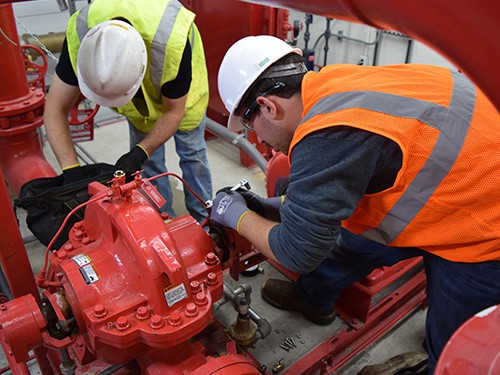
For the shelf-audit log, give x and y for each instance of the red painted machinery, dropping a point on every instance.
(126, 286)
(475, 347)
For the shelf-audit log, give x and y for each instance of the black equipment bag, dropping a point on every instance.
(48, 201)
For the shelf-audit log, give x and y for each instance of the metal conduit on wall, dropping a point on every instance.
(221, 131)
(238, 140)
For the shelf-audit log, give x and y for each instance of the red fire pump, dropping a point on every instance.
(128, 285)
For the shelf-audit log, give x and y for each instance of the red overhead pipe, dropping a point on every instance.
(466, 32)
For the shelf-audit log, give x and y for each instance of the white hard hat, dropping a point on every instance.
(111, 63)
(242, 65)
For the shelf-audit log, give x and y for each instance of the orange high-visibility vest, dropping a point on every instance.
(446, 197)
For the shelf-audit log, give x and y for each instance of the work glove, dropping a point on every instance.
(228, 209)
(132, 161)
(73, 173)
(265, 207)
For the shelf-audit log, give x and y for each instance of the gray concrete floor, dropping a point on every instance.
(111, 141)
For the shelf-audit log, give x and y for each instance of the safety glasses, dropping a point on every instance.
(246, 118)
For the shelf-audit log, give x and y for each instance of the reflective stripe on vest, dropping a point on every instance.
(453, 124)
(160, 39)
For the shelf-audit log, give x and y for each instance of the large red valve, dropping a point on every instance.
(35, 71)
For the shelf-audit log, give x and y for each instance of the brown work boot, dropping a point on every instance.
(413, 363)
(279, 293)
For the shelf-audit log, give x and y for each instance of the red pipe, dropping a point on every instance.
(21, 112)
(12, 74)
(15, 262)
(466, 32)
(21, 159)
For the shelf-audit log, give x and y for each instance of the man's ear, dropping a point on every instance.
(267, 106)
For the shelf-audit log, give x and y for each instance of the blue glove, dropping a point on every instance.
(228, 209)
(266, 207)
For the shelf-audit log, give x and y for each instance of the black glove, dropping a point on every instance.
(132, 161)
(266, 207)
(72, 174)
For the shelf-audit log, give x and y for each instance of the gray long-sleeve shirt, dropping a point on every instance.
(330, 172)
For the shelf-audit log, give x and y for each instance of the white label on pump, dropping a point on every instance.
(174, 295)
(81, 259)
(89, 274)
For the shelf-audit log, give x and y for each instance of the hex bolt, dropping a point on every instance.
(62, 254)
(156, 322)
(78, 234)
(299, 336)
(100, 311)
(201, 299)
(142, 313)
(122, 323)
(211, 259)
(68, 247)
(86, 240)
(195, 286)
(191, 310)
(175, 319)
(212, 279)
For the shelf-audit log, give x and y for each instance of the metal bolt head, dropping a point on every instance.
(211, 259)
(122, 323)
(195, 286)
(142, 313)
(156, 322)
(100, 311)
(201, 299)
(191, 310)
(212, 278)
(175, 319)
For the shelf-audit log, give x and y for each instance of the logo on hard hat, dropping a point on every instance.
(263, 62)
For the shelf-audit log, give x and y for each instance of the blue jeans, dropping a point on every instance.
(192, 151)
(455, 291)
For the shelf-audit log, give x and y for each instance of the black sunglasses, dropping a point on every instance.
(246, 117)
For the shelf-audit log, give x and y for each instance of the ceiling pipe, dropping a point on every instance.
(465, 32)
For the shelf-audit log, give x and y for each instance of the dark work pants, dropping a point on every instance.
(455, 291)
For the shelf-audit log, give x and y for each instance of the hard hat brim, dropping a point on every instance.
(106, 102)
(234, 123)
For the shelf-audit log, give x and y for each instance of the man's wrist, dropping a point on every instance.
(70, 167)
(143, 149)
(241, 218)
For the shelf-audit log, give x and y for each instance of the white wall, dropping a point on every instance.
(392, 49)
(42, 17)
